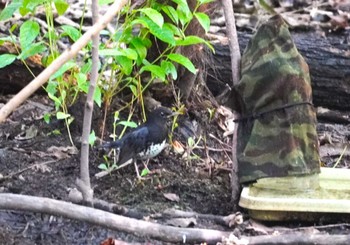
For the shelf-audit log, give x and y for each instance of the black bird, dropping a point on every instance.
(144, 142)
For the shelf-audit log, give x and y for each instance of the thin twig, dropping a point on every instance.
(9, 176)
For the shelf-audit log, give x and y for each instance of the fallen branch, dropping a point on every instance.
(76, 197)
(231, 220)
(108, 220)
(157, 231)
(70, 53)
(227, 221)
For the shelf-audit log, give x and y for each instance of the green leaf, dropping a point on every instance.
(30, 5)
(147, 42)
(31, 50)
(190, 142)
(83, 85)
(63, 69)
(61, 6)
(190, 40)
(125, 63)
(182, 3)
(13, 27)
(128, 52)
(171, 13)
(56, 100)
(173, 29)
(154, 15)
(86, 67)
(144, 172)
(92, 138)
(123, 36)
(133, 89)
(104, 2)
(61, 115)
(156, 71)
(27, 33)
(98, 96)
(161, 33)
(127, 124)
(201, 2)
(169, 68)
(51, 87)
(103, 166)
(183, 11)
(204, 20)
(72, 32)
(6, 39)
(116, 116)
(6, 59)
(47, 117)
(182, 60)
(56, 132)
(140, 48)
(10, 9)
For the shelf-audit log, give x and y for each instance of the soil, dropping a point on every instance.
(30, 165)
(37, 159)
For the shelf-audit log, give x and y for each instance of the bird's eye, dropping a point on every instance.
(162, 114)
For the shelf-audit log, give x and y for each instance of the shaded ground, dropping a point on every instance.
(30, 167)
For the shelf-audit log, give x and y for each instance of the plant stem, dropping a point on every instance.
(89, 106)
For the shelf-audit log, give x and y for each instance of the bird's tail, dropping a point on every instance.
(110, 145)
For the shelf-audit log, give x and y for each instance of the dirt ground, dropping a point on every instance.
(29, 164)
(36, 160)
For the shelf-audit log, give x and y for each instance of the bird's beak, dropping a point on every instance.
(174, 114)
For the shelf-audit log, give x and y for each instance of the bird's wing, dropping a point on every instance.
(133, 143)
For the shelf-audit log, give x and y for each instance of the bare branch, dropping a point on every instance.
(84, 184)
(108, 220)
(231, 33)
(235, 54)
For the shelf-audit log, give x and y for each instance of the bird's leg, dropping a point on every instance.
(145, 164)
(137, 170)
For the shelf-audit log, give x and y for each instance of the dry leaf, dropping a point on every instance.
(172, 197)
(178, 147)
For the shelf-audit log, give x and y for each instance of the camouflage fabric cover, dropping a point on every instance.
(277, 133)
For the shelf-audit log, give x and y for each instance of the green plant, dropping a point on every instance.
(106, 165)
(127, 50)
(70, 80)
(133, 40)
(211, 112)
(191, 146)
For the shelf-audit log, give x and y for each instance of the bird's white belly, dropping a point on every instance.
(152, 151)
